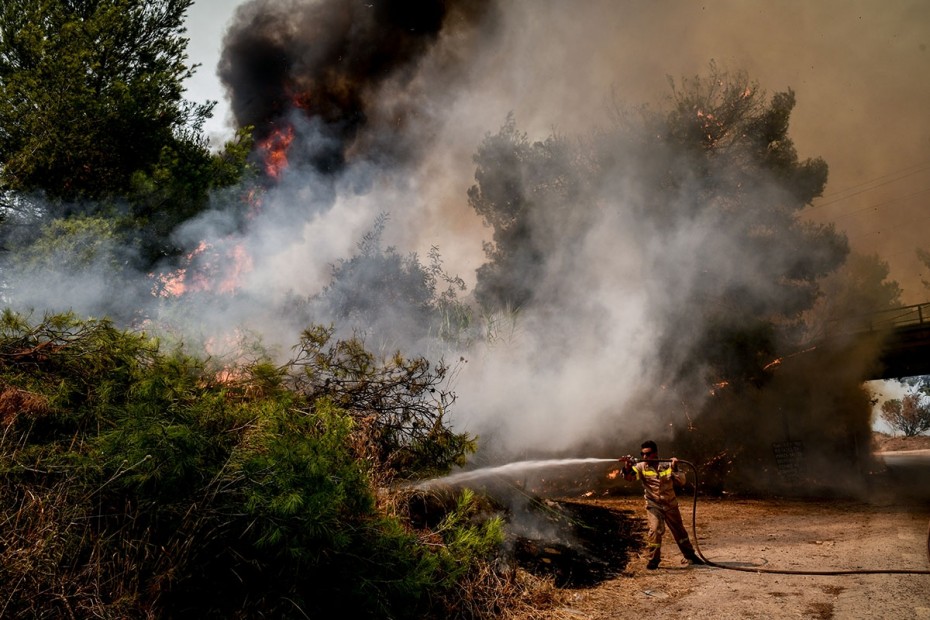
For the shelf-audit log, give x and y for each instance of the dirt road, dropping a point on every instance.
(889, 532)
(792, 535)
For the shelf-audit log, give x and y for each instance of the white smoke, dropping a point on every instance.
(572, 371)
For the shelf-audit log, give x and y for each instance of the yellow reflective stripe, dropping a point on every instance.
(665, 473)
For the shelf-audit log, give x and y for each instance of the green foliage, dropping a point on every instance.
(93, 124)
(712, 176)
(303, 484)
(91, 92)
(381, 291)
(178, 186)
(400, 404)
(467, 537)
(74, 244)
(722, 155)
(377, 279)
(528, 194)
(140, 482)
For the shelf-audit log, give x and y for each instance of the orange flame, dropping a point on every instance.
(209, 273)
(774, 363)
(225, 277)
(275, 149)
(241, 263)
(175, 283)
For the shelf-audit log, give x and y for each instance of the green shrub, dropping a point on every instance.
(137, 482)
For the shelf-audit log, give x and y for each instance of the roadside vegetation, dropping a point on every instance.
(143, 482)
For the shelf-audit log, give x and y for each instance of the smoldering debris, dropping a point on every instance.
(576, 544)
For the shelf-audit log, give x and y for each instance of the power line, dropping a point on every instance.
(909, 223)
(867, 186)
(882, 204)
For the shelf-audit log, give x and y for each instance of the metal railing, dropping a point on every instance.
(906, 316)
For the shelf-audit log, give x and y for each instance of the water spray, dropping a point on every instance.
(509, 468)
(532, 465)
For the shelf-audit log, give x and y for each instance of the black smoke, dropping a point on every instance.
(340, 65)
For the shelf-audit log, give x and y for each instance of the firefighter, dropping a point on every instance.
(659, 480)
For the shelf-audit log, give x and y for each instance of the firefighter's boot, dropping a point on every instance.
(692, 558)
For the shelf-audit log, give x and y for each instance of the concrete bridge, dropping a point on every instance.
(905, 337)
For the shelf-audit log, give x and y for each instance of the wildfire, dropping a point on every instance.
(205, 269)
(241, 263)
(275, 148)
(176, 283)
(253, 198)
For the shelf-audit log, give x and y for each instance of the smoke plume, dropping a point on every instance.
(351, 67)
(379, 107)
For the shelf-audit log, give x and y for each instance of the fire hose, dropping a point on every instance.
(778, 571)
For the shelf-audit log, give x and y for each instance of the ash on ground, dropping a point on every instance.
(576, 544)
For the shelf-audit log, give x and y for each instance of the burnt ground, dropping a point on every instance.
(580, 545)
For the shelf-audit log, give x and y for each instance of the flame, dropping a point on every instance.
(227, 350)
(169, 284)
(175, 283)
(775, 362)
(205, 269)
(275, 148)
(241, 263)
(253, 198)
(612, 475)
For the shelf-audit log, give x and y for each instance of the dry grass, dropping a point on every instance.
(882, 442)
(15, 402)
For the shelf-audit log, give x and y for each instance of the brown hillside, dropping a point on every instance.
(882, 442)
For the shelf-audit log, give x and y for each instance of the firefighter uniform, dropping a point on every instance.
(662, 508)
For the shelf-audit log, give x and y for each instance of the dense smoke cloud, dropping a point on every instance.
(387, 103)
(350, 66)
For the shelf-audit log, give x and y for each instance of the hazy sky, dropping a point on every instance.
(859, 70)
